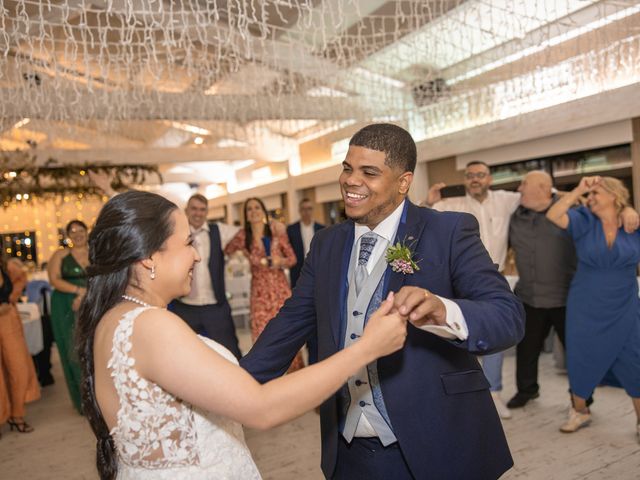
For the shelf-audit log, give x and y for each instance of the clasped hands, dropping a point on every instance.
(419, 306)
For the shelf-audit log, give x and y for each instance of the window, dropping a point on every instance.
(20, 245)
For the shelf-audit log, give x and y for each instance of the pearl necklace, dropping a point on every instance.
(136, 300)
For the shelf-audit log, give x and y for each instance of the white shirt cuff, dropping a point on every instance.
(456, 327)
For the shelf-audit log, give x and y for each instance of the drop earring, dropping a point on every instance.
(153, 272)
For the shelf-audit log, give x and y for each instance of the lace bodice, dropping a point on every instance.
(159, 436)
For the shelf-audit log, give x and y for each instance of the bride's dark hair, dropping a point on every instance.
(130, 227)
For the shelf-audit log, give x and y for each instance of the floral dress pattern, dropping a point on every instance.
(269, 286)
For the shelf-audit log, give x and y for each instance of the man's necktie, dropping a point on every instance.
(367, 243)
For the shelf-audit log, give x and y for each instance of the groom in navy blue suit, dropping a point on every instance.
(424, 412)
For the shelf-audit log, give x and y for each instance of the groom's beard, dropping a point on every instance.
(377, 214)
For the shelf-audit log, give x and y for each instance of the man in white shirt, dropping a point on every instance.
(206, 309)
(492, 209)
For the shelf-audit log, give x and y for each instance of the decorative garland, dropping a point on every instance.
(21, 178)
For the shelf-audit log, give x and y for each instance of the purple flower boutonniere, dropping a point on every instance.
(400, 257)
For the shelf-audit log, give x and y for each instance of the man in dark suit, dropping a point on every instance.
(206, 309)
(424, 412)
(300, 235)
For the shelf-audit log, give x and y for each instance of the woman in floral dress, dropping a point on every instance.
(269, 253)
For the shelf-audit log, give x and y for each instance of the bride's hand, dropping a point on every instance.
(385, 332)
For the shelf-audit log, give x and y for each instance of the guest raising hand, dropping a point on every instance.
(603, 308)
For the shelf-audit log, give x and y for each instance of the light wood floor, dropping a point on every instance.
(62, 447)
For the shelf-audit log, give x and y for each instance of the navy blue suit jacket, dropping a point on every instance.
(295, 239)
(435, 392)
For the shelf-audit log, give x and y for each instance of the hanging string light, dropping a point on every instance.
(445, 63)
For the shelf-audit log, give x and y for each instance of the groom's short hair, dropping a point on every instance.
(396, 143)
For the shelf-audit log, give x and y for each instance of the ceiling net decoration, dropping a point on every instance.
(439, 65)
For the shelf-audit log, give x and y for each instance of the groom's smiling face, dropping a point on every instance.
(371, 190)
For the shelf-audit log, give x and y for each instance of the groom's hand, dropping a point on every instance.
(421, 306)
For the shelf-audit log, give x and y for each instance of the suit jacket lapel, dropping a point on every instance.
(297, 241)
(409, 232)
(338, 281)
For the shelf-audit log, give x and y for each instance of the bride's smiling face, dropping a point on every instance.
(175, 261)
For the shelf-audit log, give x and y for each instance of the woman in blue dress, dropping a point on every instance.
(603, 308)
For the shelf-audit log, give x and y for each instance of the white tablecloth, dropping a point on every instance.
(30, 316)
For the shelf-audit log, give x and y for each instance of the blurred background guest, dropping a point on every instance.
(68, 277)
(546, 260)
(603, 308)
(206, 309)
(300, 235)
(269, 253)
(18, 384)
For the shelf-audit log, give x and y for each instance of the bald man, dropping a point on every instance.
(546, 262)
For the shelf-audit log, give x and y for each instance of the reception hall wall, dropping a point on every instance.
(47, 218)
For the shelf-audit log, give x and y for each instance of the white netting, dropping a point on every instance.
(439, 64)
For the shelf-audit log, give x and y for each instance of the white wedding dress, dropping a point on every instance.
(158, 436)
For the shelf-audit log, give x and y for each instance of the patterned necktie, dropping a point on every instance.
(367, 243)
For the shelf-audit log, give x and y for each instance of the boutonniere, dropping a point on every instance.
(400, 257)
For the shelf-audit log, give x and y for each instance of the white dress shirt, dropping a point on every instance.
(386, 230)
(493, 216)
(307, 232)
(227, 232)
(201, 287)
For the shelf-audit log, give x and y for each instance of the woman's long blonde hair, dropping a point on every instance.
(616, 188)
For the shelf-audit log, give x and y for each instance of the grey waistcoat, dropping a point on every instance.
(364, 387)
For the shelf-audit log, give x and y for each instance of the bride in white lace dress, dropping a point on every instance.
(163, 402)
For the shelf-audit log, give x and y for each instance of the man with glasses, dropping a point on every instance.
(492, 209)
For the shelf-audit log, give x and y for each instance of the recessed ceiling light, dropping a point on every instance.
(230, 142)
(198, 140)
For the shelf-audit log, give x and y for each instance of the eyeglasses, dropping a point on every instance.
(479, 175)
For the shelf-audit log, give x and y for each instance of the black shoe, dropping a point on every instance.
(46, 381)
(519, 400)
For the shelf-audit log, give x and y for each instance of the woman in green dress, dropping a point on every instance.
(67, 276)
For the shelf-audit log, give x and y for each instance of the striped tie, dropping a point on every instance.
(367, 243)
